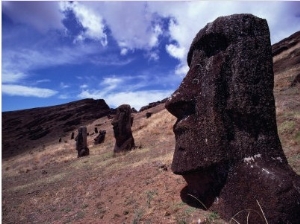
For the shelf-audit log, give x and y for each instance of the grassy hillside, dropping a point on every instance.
(49, 184)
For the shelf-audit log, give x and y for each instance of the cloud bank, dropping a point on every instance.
(118, 39)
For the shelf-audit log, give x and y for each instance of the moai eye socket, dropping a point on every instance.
(212, 44)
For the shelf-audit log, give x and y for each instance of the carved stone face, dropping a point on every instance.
(197, 104)
(227, 146)
(225, 101)
(122, 123)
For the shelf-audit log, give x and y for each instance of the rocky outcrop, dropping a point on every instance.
(154, 104)
(286, 44)
(122, 123)
(47, 123)
(227, 145)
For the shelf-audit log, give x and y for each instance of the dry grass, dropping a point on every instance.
(50, 185)
(288, 123)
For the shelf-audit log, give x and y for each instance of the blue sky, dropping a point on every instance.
(122, 52)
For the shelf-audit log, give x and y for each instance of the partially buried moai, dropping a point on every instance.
(122, 123)
(81, 142)
(227, 145)
(100, 138)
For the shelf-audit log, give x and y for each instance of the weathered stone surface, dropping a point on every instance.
(122, 123)
(256, 181)
(81, 142)
(100, 138)
(225, 113)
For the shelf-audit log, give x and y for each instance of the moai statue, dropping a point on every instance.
(96, 130)
(72, 135)
(148, 114)
(81, 142)
(100, 138)
(122, 123)
(227, 145)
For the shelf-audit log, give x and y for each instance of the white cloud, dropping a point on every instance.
(140, 27)
(156, 32)
(11, 76)
(83, 86)
(132, 25)
(89, 19)
(42, 81)
(64, 96)
(181, 69)
(63, 85)
(124, 51)
(19, 90)
(130, 89)
(135, 99)
(176, 52)
(111, 83)
(189, 17)
(154, 56)
(17, 63)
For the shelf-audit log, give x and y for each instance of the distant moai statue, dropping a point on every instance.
(100, 138)
(72, 135)
(122, 123)
(96, 130)
(59, 140)
(148, 114)
(81, 142)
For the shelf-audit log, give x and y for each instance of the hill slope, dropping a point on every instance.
(48, 184)
(39, 126)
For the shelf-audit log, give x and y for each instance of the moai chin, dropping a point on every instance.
(122, 123)
(81, 142)
(227, 145)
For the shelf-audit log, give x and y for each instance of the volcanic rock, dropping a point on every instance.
(122, 123)
(226, 119)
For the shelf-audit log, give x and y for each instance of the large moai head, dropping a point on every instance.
(225, 107)
(122, 123)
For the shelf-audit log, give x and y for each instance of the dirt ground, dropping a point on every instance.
(50, 184)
